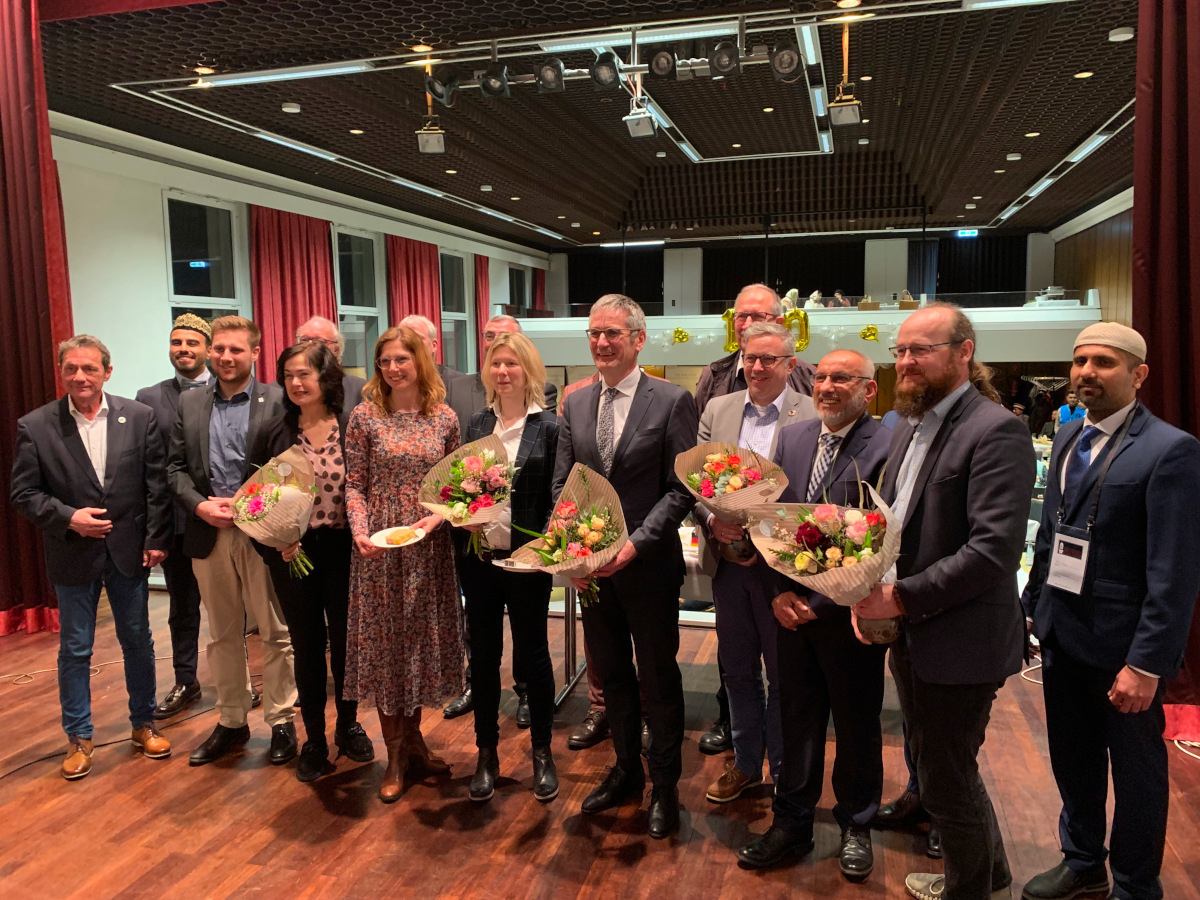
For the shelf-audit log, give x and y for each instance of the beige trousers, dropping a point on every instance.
(234, 579)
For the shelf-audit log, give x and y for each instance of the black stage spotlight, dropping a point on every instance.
(442, 84)
(606, 71)
(494, 80)
(549, 76)
(725, 60)
(786, 62)
(662, 63)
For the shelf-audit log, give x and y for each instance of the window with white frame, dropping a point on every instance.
(458, 313)
(208, 256)
(360, 280)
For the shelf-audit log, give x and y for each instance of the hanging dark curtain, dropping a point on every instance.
(922, 267)
(539, 288)
(982, 265)
(414, 282)
(483, 301)
(35, 300)
(1166, 253)
(291, 275)
(807, 266)
(593, 272)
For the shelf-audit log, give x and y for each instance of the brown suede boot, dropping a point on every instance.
(395, 738)
(418, 753)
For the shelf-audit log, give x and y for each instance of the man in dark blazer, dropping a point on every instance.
(1124, 483)
(959, 476)
(822, 668)
(88, 470)
(189, 343)
(631, 428)
(318, 329)
(217, 441)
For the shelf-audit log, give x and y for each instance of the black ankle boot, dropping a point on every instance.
(545, 775)
(483, 783)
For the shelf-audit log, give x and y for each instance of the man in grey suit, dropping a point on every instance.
(429, 334)
(959, 476)
(189, 344)
(88, 470)
(743, 584)
(631, 428)
(319, 330)
(217, 441)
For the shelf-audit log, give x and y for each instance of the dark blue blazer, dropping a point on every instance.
(531, 497)
(866, 444)
(163, 398)
(1142, 575)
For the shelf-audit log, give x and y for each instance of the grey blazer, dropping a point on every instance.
(722, 421)
(962, 543)
(352, 387)
(188, 460)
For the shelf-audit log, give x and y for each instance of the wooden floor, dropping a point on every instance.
(240, 828)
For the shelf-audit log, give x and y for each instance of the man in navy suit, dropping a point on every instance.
(822, 667)
(319, 330)
(88, 470)
(1121, 504)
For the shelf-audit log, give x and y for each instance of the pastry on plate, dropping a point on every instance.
(401, 535)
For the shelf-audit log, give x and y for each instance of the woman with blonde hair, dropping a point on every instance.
(403, 647)
(514, 377)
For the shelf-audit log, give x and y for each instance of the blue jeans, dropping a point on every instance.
(746, 635)
(129, 599)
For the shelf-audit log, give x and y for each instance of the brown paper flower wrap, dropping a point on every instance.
(773, 528)
(442, 475)
(274, 505)
(592, 495)
(733, 506)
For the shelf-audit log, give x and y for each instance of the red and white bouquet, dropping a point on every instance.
(274, 505)
(471, 486)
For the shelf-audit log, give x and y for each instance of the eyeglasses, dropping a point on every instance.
(490, 336)
(767, 362)
(838, 378)
(752, 317)
(610, 334)
(919, 351)
(386, 362)
(332, 345)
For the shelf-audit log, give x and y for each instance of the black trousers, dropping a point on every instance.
(183, 619)
(823, 668)
(489, 591)
(1086, 733)
(624, 620)
(315, 608)
(946, 727)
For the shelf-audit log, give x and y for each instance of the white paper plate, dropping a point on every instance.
(513, 565)
(379, 539)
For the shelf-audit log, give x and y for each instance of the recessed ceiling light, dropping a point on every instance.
(1084, 74)
(768, 109)
(356, 131)
(848, 4)
(574, 224)
(291, 107)
(960, 217)
(864, 141)
(562, 217)
(421, 48)
(689, 228)
(514, 198)
(1000, 171)
(976, 198)
(864, 77)
(865, 121)
(606, 99)
(1117, 35)
(203, 70)
(595, 232)
(485, 187)
(969, 206)
(1032, 133)
(661, 154)
(1012, 157)
(736, 146)
(452, 171)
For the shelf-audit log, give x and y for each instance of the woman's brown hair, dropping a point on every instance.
(429, 382)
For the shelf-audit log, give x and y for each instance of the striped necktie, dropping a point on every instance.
(828, 448)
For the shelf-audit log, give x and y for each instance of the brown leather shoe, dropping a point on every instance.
(152, 744)
(79, 758)
(731, 784)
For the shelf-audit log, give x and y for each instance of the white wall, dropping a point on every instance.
(497, 283)
(556, 284)
(683, 278)
(1039, 262)
(885, 268)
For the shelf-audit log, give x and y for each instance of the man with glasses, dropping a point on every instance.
(742, 584)
(631, 428)
(959, 476)
(754, 303)
(319, 330)
(822, 668)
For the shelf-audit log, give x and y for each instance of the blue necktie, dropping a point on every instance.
(1077, 465)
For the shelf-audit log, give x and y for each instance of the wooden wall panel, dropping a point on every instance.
(1101, 257)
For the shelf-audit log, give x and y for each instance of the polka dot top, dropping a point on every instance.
(329, 468)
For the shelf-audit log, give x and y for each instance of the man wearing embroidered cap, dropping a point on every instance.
(1110, 597)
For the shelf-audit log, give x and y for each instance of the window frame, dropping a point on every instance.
(468, 302)
(241, 303)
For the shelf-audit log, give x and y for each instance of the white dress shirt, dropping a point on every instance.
(94, 434)
(621, 403)
(1108, 427)
(499, 532)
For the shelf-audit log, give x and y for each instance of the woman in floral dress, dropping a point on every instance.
(404, 650)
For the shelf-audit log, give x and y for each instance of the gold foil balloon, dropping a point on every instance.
(799, 318)
(731, 341)
(680, 336)
(869, 333)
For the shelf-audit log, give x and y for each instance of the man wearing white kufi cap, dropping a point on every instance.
(1110, 598)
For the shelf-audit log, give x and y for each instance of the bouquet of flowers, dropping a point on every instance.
(837, 551)
(729, 480)
(586, 531)
(274, 504)
(471, 486)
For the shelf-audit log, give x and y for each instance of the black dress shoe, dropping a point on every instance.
(617, 787)
(354, 744)
(591, 731)
(1062, 883)
(664, 812)
(460, 705)
(777, 845)
(717, 739)
(903, 812)
(647, 737)
(314, 761)
(855, 857)
(220, 742)
(545, 775)
(283, 743)
(933, 845)
(255, 697)
(180, 698)
(487, 770)
(524, 718)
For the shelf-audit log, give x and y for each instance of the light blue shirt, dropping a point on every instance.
(758, 426)
(227, 441)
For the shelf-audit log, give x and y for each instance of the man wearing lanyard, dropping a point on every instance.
(1110, 597)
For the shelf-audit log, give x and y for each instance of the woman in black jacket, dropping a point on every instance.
(514, 376)
(311, 378)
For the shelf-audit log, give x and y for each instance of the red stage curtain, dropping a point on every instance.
(291, 274)
(483, 301)
(539, 288)
(35, 300)
(1166, 242)
(414, 282)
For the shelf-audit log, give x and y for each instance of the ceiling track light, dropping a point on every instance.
(493, 81)
(551, 77)
(442, 84)
(786, 62)
(661, 63)
(606, 71)
(640, 122)
(725, 61)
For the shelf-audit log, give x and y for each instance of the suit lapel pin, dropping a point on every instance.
(121, 419)
(260, 399)
(791, 412)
